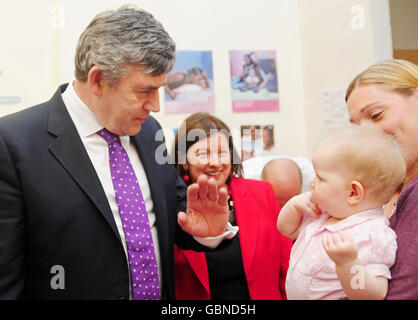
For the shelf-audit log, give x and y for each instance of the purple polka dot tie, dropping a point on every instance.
(134, 216)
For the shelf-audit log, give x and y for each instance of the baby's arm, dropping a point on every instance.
(290, 217)
(357, 283)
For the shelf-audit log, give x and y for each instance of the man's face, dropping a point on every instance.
(125, 106)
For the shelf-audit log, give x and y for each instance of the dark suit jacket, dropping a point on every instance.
(53, 210)
(265, 252)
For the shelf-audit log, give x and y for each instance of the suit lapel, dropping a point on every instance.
(69, 151)
(247, 222)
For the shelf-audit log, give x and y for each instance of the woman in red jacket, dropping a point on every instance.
(253, 264)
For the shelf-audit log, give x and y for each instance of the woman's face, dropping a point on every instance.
(210, 156)
(395, 113)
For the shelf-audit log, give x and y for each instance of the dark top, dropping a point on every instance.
(227, 280)
(404, 282)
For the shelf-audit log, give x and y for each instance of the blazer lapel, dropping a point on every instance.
(197, 261)
(69, 150)
(247, 222)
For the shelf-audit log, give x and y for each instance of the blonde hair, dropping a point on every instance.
(368, 155)
(394, 75)
(400, 76)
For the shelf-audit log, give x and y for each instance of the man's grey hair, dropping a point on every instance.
(117, 40)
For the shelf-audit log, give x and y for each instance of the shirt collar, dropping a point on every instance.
(353, 220)
(83, 118)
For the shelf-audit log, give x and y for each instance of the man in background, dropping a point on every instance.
(285, 177)
(288, 175)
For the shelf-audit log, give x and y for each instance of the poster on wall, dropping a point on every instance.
(254, 85)
(189, 86)
(334, 108)
(257, 140)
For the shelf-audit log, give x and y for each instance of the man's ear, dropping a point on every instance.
(185, 166)
(357, 193)
(96, 80)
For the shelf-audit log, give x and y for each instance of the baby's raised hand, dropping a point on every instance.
(291, 216)
(340, 248)
(305, 203)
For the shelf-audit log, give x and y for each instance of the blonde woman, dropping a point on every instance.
(387, 94)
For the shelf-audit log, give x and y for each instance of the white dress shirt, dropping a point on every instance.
(97, 149)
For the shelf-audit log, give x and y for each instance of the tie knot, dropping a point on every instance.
(108, 136)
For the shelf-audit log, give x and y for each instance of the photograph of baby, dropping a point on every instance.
(189, 86)
(257, 140)
(254, 84)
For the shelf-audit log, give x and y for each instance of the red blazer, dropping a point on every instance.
(265, 252)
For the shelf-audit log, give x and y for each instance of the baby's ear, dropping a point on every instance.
(357, 193)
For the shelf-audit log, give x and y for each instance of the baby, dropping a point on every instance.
(344, 246)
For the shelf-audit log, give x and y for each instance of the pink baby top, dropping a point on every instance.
(311, 273)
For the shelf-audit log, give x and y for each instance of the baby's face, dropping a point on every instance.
(330, 187)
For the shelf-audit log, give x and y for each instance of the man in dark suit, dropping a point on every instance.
(64, 230)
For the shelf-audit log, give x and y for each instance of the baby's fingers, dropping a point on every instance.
(327, 243)
(312, 210)
(345, 238)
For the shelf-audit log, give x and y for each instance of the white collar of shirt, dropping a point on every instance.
(352, 220)
(83, 118)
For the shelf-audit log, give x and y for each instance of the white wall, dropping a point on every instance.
(27, 53)
(340, 38)
(220, 26)
(316, 45)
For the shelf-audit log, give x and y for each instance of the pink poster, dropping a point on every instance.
(254, 84)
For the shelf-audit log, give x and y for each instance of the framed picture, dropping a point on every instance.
(257, 140)
(254, 85)
(189, 86)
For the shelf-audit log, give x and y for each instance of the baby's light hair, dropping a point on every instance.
(368, 155)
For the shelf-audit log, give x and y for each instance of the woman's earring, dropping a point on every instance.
(186, 178)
